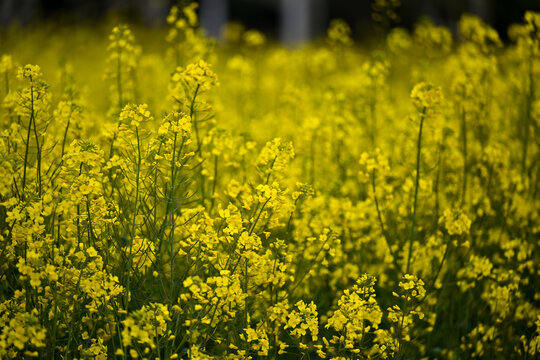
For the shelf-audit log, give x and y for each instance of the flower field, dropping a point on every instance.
(164, 196)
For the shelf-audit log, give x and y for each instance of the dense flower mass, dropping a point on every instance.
(184, 199)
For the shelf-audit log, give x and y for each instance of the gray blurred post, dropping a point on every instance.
(154, 12)
(479, 8)
(7, 12)
(319, 13)
(214, 15)
(295, 21)
(431, 9)
(17, 10)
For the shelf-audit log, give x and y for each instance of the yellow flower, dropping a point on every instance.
(426, 96)
(339, 32)
(455, 222)
(32, 72)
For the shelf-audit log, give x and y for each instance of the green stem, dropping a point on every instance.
(6, 82)
(214, 184)
(119, 77)
(38, 148)
(66, 134)
(528, 108)
(465, 164)
(192, 115)
(416, 186)
(246, 278)
(373, 113)
(401, 344)
(91, 236)
(385, 233)
(197, 137)
(259, 216)
(437, 185)
(431, 286)
(79, 235)
(137, 183)
(26, 156)
(172, 219)
(30, 122)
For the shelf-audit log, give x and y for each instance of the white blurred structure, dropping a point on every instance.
(214, 16)
(295, 21)
(299, 20)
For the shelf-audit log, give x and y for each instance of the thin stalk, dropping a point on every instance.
(54, 324)
(137, 183)
(259, 216)
(214, 184)
(91, 236)
(528, 108)
(313, 262)
(385, 233)
(172, 255)
(69, 353)
(197, 137)
(465, 157)
(79, 235)
(119, 77)
(373, 132)
(192, 115)
(312, 159)
(6, 82)
(401, 344)
(416, 186)
(431, 286)
(246, 278)
(26, 156)
(437, 185)
(172, 189)
(38, 147)
(65, 135)
(30, 122)
(171, 210)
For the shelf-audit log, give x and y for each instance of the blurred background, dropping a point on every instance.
(289, 21)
